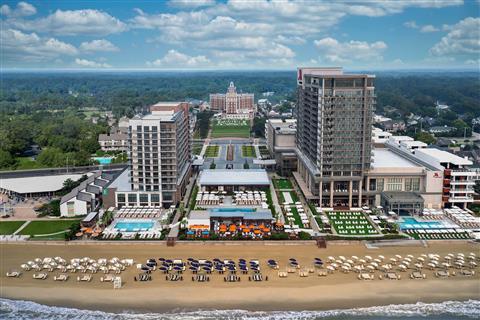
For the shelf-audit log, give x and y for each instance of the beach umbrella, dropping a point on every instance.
(381, 257)
(398, 256)
(354, 257)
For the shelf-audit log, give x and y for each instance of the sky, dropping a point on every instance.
(240, 34)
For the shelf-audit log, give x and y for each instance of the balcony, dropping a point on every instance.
(463, 173)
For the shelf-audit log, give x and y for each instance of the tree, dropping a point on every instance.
(6, 159)
(425, 137)
(258, 127)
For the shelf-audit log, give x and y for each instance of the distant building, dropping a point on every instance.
(280, 136)
(113, 141)
(441, 129)
(233, 102)
(440, 106)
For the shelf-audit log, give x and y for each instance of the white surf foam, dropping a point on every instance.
(28, 310)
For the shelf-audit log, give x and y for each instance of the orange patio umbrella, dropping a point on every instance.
(256, 231)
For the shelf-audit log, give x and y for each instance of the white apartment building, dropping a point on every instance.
(159, 156)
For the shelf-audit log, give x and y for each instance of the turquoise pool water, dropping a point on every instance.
(132, 226)
(412, 223)
(103, 160)
(232, 210)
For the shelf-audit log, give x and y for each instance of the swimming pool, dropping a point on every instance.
(233, 210)
(412, 223)
(133, 226)
(103, 160)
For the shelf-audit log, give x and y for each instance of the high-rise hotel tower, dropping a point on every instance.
(334, 135)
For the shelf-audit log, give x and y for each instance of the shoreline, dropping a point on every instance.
(337, 291)
(353, 297)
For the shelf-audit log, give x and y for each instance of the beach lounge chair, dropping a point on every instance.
(61, 277)
(84, 278)
(13, 274)
(282, 274)
(108, 278)
(40, 276)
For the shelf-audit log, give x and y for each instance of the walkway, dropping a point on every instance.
(21, 227)
(278, 209)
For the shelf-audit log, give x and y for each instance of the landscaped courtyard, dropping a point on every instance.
(196, 149)
(9, 227)
(230, 128)
(351, 223)
(248, 151)
(212, 151)
(282, 184)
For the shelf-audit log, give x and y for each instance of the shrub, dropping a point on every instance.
(302, 235)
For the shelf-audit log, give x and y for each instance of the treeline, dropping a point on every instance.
(65, 138)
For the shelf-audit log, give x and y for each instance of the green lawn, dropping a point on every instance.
(296, 216)
(24, 163)
(282, 184)
(212, 151)
(47, 226)
(196, 149)
(350, 223)
(230, 129)
(9, 227)
(248, 152)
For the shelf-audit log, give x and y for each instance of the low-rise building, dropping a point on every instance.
(85, 198)
(280, 136)
(113, 142)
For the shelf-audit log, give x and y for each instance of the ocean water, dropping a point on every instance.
(27, 310)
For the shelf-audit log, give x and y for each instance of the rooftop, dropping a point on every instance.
(444, 156)
(37, 184)
(384, 158)
(243, 177)
(122, 182)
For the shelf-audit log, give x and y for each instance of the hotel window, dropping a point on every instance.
(143, 199)
(155, 199)
(121, 197)
(394, 184)
(380, 183)
(412, 184)
(415, 184)
(132, 199)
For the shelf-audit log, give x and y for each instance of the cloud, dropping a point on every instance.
(72, 22)
(23, 9)
(462, 39)
(29, 47)
(428, 28)
(411, 25)
(91, 64)
(424, 29)
(346, 52)
(191, 3)
(98, 45)
(175, 59)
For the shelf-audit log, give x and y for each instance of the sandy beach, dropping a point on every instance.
(338, 290)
